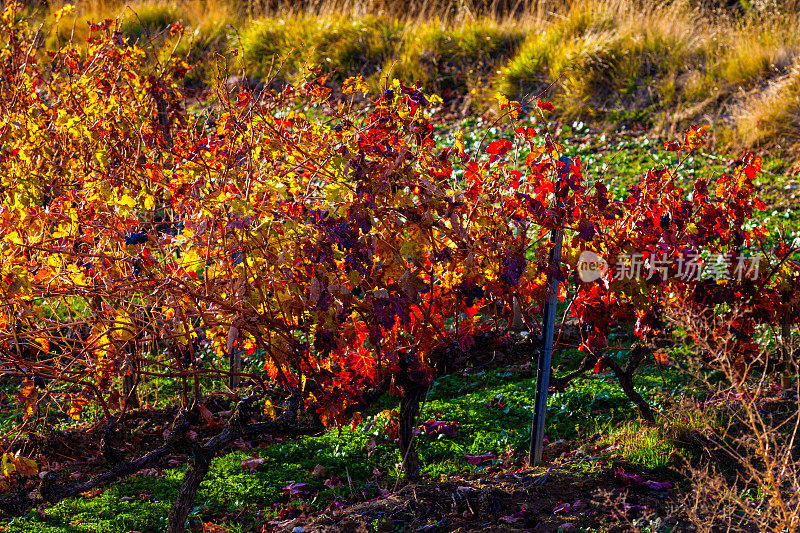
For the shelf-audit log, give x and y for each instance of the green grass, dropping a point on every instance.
(493, 409)
(284, 48)
(148, 21)
(139, 23)
(645, 446)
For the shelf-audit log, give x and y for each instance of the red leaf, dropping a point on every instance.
(500, 147)
(474, 174)
(528, 133)
(545, 106)
(101, 26)
(356, 421)
(243, 98)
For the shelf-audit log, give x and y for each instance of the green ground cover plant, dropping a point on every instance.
(491, 407)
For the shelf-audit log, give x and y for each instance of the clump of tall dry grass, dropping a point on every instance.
(673, 62)
(771, 116)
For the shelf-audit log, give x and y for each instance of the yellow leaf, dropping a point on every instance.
(354, 85)
(25, 466)
(42, 343)
(149, 201)
(248, 346)
(458, 141)
(7, 466)
(123, 327)
(501, 100)
(68, 9)
(127, 200)
(269, 409)
(76, 406)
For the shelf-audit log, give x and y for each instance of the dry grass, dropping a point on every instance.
(676, 61)
(771, 117)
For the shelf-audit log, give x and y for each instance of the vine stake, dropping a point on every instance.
(548, 326)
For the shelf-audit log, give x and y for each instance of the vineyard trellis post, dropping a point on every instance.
(548, 327)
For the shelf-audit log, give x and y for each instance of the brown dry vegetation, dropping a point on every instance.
(663, 63)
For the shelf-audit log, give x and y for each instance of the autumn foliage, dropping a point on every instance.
(147, 235)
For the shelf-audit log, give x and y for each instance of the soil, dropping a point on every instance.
(547, 499)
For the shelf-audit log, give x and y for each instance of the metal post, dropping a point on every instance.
(235, 360)
(548, 326)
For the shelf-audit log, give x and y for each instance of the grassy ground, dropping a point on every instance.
(484, 417)
(664, 64)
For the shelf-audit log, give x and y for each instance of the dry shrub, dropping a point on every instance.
(747, 476)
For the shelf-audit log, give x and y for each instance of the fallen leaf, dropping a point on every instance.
(333, 482)
(252, 463)
(208, 417)
(632, 480)
(516, 517)
(478, 459)
(562, 508)
(295, 489)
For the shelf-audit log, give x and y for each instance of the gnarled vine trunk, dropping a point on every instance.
(191, 482)
(409, 411)
(414, 389)
(625, 378)
(236, 428)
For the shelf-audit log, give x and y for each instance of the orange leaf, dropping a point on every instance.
(208, 417)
